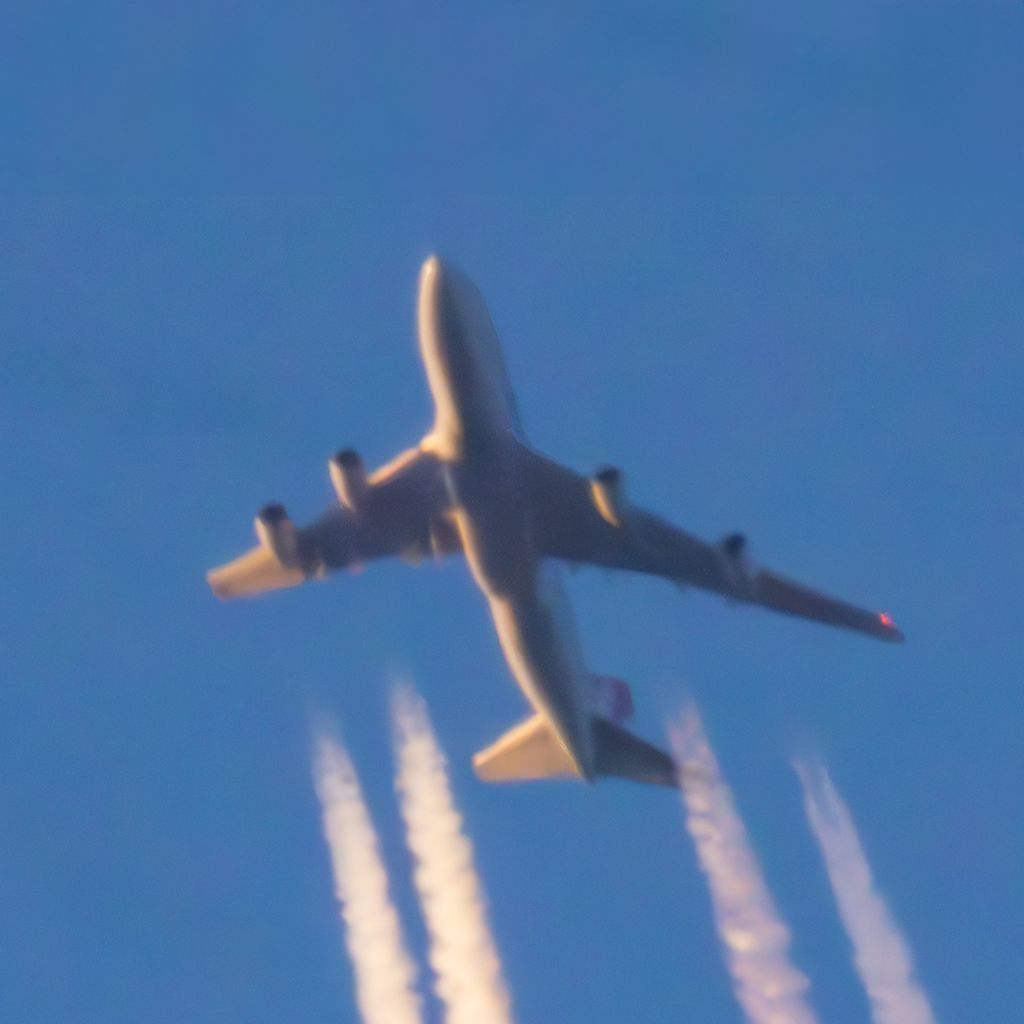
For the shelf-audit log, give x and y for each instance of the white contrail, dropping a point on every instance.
(462, 953)
(385, 974)
(880, 952)
(769, 988)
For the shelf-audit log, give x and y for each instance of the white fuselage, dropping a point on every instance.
(478, 436)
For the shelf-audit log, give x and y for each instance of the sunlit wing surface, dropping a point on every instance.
(572, 520)
(255, 572)
(399, 510)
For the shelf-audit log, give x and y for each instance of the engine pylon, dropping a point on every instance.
(276, 532)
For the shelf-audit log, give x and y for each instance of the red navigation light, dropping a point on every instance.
(885, 619)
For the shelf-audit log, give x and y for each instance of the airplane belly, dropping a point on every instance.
(543, 667)
(491, 521)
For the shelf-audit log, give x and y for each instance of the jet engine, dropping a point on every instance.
(609, 494)
(736, 555)
(277, 533)
(348, 475)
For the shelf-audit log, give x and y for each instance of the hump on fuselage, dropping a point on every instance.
(465, 366)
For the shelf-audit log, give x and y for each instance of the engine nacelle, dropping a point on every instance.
(608, 491)
(277, 533)
(348, 476)
(736, 554)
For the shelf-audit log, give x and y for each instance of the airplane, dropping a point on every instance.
(475, 486)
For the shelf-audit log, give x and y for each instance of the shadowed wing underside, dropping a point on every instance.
(404, 512)
(568, 524)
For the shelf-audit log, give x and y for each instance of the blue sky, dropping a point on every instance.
(769, 262)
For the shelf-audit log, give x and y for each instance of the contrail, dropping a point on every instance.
(756, 940)
(880, 952)
(462, 953)
(384, 972)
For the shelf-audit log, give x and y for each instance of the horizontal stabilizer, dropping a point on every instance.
(532, 751)
(529, 751)
(253, 573)
(610, 698)
(621, 753)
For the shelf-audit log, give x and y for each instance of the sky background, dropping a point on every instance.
(770, 262)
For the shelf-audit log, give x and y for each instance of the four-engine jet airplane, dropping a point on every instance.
(474, 485)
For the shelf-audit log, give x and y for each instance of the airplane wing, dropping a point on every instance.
(403, 512)
(585, 521)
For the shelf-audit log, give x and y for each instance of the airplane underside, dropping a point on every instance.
(474, 486)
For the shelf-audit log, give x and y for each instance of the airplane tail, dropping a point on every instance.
(532, 751)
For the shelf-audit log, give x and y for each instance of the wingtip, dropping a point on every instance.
(254, 572)
(889, 630)
(216, 583)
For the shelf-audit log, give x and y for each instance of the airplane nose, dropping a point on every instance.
(444, 294)
(430, 275)
(445, 287)
(431, 295)
(442, 281)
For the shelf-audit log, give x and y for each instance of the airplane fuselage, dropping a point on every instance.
(524, 595)
(478, 437)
